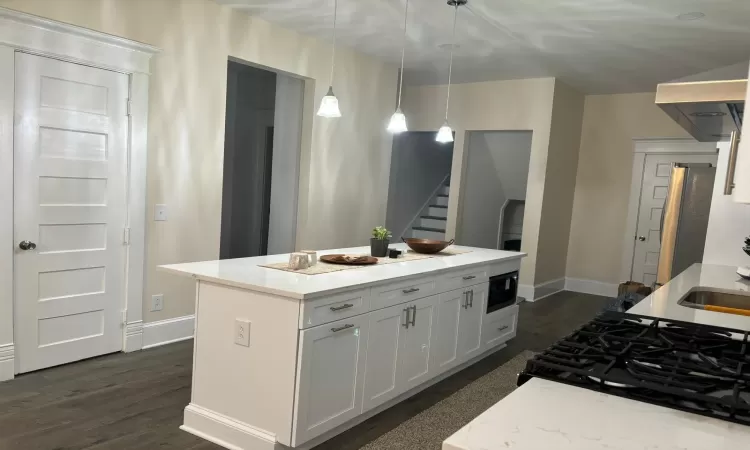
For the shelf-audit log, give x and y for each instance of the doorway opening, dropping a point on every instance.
(261, 162)
(493, 196)
(419, 186)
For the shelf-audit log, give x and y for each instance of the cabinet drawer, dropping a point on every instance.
(500, 326)
(393, 294)
(335, 307)
(463, 278)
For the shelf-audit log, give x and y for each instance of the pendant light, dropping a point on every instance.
(445, 133)
(329, 106)
(398, 120)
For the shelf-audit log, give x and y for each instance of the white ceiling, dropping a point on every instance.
(596, 46)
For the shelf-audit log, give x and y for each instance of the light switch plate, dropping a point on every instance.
(242, 332)
(160, 213)
(157, 302)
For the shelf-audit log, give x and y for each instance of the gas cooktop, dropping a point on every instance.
(696, 368)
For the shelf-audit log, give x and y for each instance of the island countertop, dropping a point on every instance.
(546, 414)
(247, 273)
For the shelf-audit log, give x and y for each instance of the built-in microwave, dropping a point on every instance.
(503, 291)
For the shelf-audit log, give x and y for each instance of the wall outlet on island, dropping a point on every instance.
(157, 302)
(242, 332)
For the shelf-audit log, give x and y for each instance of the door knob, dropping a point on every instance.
(26, 245)
(641, 238)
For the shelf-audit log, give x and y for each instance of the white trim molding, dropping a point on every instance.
(7, 362)
(225, 431)
(133, 336)
(541, 290)
(35, 34)
(168, 331)
(591, 287)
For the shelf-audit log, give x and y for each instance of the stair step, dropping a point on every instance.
(434, 230)
(442, 195)
(423, 234)
(434, 217)
(439, 206)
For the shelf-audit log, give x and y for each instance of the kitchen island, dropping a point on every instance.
(545, 414)
(283, 359)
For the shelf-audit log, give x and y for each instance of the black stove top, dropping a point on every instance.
(691, 367)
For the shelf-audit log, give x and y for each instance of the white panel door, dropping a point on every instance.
(330, 376)
(470, 323)
(70, 147)
(656, 171)
(445, 350)
(387, 331)
(415, 364)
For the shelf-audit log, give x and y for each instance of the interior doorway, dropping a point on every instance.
(493, 198)
(261, 162)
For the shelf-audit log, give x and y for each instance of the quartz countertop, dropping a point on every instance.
(544, 414)
(246, 273)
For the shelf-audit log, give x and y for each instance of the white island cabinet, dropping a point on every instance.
(286, 360)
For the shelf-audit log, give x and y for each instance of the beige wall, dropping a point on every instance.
(495, 105)
(347, 160)
(559, 186)
(602, 191)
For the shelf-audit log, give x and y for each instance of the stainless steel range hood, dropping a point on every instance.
(708, 110)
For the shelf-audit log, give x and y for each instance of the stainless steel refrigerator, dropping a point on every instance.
(685, 218)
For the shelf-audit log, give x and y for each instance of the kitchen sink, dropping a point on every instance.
(717, 301)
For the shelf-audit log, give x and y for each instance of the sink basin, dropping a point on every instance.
(717, 301)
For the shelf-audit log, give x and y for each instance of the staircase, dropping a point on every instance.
(432, 220)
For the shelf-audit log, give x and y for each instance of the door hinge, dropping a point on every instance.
(126, 236)
(127, 101)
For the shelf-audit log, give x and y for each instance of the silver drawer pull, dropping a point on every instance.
(410, 291)
(503, 328)
(343, 327)
(469, 277)
(344, 306)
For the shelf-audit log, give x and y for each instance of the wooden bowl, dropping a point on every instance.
(427, 246)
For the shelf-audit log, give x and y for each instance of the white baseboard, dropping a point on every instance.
(591, 287)
(7, 362)
(168, 331)
(541, 290)
(526, 291)
(133, 336)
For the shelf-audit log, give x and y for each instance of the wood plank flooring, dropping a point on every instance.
(135, 400)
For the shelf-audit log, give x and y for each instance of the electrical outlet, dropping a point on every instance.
(160, 213)
(157, 302)
(242, 332)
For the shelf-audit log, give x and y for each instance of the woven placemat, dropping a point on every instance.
(323, 267)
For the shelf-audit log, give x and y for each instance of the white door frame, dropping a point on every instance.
(642, 148)
(36, 35)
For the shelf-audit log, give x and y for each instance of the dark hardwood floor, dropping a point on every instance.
(135, 400)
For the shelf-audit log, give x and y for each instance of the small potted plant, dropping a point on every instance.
(379, 242)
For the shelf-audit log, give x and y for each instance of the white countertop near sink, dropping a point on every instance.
(542, 414)
(246, 272)
(664, 301)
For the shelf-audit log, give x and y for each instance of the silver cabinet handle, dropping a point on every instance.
(642, 238)
(344, 306)
(406, 324)
(465, 301)
(734, 145)
(469, 277)
(471, 299)
(342, 327)
(413, 316)
(503, 328)
(410, 291)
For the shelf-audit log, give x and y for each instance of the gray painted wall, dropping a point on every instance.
(285, 172)
(418, 165)
(497, 168)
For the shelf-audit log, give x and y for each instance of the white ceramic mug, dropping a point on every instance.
(299, 261)
(312, 256)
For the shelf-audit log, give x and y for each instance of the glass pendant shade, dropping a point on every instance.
(329, 106)
(445, 134)
(397, 123)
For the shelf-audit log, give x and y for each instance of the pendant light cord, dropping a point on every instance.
(333, 52)
(403, 52)
(450, 68)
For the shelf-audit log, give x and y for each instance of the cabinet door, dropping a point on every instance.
(387, 330)
(330, 376)
(445, 349)
(415, 364)
(470, 323)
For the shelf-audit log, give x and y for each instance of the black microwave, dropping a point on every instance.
(503, 291)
